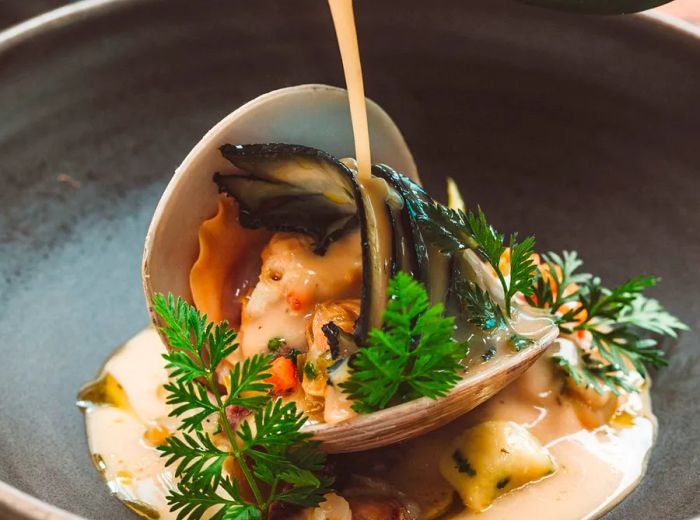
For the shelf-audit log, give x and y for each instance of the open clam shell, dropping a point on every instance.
(315, 116)
(312, 115)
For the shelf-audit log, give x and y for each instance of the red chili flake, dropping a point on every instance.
(294, 302)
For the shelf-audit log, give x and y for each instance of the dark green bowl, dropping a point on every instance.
(582, 130)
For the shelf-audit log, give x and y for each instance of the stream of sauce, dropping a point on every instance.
(375, 191)
(344, 21)
(126, 416)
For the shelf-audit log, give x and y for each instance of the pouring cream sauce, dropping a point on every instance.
(126, 417)
(375, 191)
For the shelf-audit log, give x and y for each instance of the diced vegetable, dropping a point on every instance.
(491, 459)
(156, 434)
(283, 375)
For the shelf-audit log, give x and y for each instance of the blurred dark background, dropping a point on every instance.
(14, 11)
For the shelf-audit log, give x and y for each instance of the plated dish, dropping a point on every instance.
(325, 288)
(436, 191)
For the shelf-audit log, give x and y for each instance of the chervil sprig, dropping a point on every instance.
(590, 372)
(413, 355)
(454, 230)
(614, 319)
(561, 269)
(648, 314)
(477, 304)
(271, 449)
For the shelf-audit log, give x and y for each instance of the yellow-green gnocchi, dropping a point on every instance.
(491, 459)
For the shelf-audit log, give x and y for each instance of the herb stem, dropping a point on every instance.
(506, 291)
(234, 445)
(268, 502)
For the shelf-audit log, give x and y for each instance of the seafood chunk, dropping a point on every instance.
(325, 328)
(292, 280)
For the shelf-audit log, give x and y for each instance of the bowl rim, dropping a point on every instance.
(21, 505)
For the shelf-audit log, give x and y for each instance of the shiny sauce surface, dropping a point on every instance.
(126, 416)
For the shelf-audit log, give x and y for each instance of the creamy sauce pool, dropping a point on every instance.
(126, 415)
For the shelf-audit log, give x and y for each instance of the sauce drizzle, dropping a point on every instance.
(344, 21)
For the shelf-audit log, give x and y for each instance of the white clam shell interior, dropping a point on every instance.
(317, 116)
(311, 115)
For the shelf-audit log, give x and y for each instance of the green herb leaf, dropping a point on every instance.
(413, 355)
(595, 374)
(276, 343)
(453, 231)
(522, 269)
(649, 314)
(275, 452)
(561, 270)
(479, 309)
(489, 241)
(616, 320)
(310, 370)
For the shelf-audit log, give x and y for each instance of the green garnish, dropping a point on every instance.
(274, 344)
(413, 355)
(519, 342)
(278, 461)
(479, 308)
(617, 319)
(310, 370)
(483, 312)
(491, 244)
(453, 230)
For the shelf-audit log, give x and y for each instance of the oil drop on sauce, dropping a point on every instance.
(126, 416)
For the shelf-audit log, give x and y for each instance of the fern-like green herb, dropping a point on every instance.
(478, 305)
(413, 355)
(453, 230)
(619, 321)
(277, 460)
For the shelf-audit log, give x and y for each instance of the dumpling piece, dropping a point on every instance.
(492, 458)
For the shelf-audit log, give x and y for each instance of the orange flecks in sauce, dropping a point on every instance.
(156, 435)
(124, 477)
(293, 279)
(229, 256)
(294, 301)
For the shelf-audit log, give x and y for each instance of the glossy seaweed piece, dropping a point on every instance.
(285, 187)
(424, 259)
(412, 195)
